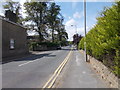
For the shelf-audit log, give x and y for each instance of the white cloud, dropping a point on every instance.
(69, 17)
(71, 30)
(77, 15)
(71, 22)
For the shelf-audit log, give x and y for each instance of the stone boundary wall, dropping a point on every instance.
(104, 72)
(43, 48)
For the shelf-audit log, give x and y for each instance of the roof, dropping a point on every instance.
(3, 18)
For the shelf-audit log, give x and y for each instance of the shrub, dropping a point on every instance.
(103, 40)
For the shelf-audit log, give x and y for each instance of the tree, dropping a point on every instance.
(53, 12)
(62, 35)
(36, 14)
(76, 39)
(44, 17)
(14, 7)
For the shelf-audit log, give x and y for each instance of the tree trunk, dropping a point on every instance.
(53, 34)
(40, 35)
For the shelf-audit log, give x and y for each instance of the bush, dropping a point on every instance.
(103, 40)
(48, 44)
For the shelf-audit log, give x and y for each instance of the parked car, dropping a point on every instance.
(59, 48)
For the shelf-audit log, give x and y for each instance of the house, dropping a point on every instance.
(14, 39)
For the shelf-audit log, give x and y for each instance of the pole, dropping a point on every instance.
(85, 29)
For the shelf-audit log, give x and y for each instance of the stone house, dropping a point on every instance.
(14, 39)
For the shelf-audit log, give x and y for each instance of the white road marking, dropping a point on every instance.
(27, 62)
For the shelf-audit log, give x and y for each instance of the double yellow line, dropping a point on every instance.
(53, 78)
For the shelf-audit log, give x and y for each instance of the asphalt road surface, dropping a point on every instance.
(35, 71)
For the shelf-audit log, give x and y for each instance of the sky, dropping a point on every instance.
(73, 12)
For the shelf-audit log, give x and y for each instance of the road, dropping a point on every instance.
(35, 71)
(32, 72)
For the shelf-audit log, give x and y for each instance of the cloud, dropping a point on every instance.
(77, 15)
(69, 17)
(71, 30)
(71, 22)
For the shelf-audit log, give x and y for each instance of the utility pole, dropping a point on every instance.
(85, 30)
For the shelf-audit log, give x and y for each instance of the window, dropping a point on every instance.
(12, 43)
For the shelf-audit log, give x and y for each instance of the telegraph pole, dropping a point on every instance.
(85, 30)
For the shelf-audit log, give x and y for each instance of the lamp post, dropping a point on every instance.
(85, 30)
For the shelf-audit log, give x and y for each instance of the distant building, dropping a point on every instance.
(14, 39)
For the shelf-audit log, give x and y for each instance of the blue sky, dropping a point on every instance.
(73, 13)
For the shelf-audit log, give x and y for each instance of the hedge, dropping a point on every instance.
(103, 40)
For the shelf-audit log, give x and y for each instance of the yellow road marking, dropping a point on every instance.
(51, 81)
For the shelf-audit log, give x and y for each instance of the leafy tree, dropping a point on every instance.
(52, 17)
(62, 35)
(36, 14)
(44, 17)
(15, 7)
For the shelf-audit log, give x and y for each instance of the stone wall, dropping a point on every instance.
(43, 48)
(17, 33)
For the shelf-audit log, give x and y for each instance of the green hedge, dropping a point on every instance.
(48, 44)
(103, 40)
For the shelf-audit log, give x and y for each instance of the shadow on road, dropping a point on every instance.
(29, 57)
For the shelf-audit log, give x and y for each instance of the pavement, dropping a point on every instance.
(79, 74)
(35, 71)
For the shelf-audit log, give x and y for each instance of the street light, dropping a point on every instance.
(85, 29)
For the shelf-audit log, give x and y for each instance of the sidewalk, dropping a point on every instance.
(78, 74)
